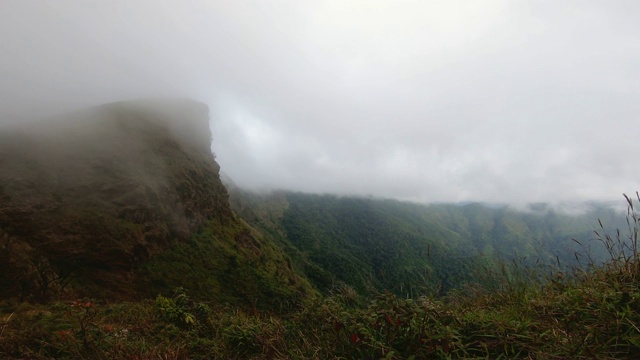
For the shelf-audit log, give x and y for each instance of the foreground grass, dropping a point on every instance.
(582, 314)
(592, 315)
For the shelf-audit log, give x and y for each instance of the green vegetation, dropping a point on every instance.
(409, 249)
(592, 315)
(227, 263)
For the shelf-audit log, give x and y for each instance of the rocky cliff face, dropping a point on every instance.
(88, 197)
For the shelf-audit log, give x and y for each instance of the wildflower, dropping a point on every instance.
(122, 334)
(63, 333)
(108, 328)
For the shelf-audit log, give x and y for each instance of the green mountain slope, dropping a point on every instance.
(409, 248)
(124, 201)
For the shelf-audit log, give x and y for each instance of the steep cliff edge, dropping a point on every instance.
(92, 202)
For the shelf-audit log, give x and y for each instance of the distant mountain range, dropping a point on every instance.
(375, 244)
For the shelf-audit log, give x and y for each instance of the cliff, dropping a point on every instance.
(89, 200)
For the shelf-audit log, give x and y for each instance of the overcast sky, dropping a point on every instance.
(499, 101)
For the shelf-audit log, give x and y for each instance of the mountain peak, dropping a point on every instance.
(105, 188)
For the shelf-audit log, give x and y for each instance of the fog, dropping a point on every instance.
(428, 101)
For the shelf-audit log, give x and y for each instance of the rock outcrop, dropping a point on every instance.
(87, 197)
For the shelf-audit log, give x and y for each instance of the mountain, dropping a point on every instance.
(124, 201)
(411, 249)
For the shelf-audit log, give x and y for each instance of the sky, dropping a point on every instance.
(428, 101)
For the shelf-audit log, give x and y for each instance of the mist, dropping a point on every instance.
(427, 101)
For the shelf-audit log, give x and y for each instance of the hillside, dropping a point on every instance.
(411, 249)
(125, 201)
(573, 315)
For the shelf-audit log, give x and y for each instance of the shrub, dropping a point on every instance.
(180, 310)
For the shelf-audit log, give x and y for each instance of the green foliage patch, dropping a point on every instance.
(411, 249)
(227, 263)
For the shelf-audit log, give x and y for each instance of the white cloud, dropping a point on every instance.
(496, 101)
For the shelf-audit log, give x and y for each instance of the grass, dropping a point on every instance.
(591, 312)
(594, 315)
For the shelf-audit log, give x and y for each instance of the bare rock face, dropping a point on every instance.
(86, 197)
